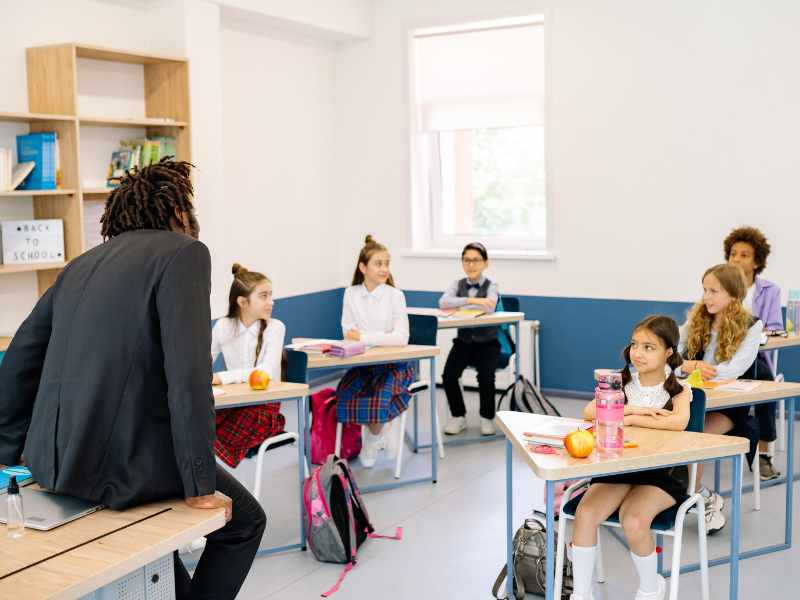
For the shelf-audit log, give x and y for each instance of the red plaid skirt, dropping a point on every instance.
(239, 429)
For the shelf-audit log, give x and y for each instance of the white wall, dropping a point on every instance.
(276, 203)
(669, 123)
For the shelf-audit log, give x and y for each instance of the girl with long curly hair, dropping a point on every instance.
(721, 339)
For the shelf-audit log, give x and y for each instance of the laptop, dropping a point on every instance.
(46, 510)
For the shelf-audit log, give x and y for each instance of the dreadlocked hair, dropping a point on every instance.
(148, 198)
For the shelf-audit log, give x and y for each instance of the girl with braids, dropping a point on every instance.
(653, 398)
(248, 339)
(374, 312)
(721, 338)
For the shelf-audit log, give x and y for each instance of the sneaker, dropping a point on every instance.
(715, 521)
(766, 469)
(372, 445)
(455, 425)
(487, 427)
(713, 501)
(657, 595)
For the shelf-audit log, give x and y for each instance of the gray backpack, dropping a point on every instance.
(529, 563)
(335, 518)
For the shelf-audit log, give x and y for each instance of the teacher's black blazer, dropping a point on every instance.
(105, 389)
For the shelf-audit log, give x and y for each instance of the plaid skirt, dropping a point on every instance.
(374, 394)
(240, 429)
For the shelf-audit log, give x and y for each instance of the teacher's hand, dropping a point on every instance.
(215, 500)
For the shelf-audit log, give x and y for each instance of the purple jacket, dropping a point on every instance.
(767, 304)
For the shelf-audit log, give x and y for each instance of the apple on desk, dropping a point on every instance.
(258, 380)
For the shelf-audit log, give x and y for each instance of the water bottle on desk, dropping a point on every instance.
(609, 401)
(792, 310)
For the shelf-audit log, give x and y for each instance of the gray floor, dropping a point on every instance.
(454, 533)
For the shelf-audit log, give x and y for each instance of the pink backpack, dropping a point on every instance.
(323, 429)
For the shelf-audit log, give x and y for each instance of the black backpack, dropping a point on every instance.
(522, 396)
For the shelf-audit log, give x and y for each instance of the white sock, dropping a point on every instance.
(583, 569)
(647, 567)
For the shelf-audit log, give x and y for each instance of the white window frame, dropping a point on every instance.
(426, 237)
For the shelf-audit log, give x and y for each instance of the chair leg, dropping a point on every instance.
(675, 573)
(599, 570)
(702, 543)
(338, 447)
(561, 549)
(262, 449)
(398, 466)
(756, 482)
(782, 425)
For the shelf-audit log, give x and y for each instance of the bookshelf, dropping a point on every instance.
(52, 73)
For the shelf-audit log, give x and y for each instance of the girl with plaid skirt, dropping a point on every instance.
(374, 312)
(248, 339)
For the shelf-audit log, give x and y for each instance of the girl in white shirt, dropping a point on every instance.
(653, 398)
(374, 312)
(721, 339)
(249, 339)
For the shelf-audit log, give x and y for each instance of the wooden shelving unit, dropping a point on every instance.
(53, 104)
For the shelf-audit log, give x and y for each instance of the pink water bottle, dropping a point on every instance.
(609, 401)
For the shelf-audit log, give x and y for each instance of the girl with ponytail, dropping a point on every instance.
(248, 338)
(653, 398)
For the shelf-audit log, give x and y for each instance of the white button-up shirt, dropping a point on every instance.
(237, 344)
(379, 315)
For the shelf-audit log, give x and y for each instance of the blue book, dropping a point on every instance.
(21, 473)
(39, 148)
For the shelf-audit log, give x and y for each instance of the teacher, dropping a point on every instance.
(106, 387)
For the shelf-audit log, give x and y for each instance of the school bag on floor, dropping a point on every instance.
(529, 559)
(335, 518)
(323, 429)
(522, 396)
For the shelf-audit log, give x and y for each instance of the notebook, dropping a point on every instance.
(553, 431)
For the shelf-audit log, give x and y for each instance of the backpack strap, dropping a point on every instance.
(335, 588)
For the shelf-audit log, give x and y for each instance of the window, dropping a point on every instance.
(478, 136)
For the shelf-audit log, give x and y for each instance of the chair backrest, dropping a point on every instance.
(296, 366)
(422, 330)
(510, 303)
(697, 414)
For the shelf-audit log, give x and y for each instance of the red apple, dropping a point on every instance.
(259, 380)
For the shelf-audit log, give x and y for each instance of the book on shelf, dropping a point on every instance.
(137, 153)
(11, 175)
(40, 148)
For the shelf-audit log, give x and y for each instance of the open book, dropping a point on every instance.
(335, 348)
(553, 431)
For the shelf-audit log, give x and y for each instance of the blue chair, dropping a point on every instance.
(669, 522)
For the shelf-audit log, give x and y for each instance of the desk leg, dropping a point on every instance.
(717, 475)
(415, 446)
(434, 425)
(789, 470)
(516, 354)
(550, 542)
(301, 462)
(509, 522)
(736, 510)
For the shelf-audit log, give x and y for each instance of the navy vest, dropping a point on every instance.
(477, 335)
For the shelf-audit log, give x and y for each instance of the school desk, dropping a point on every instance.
(656, 448)
(82, 556)
(382, 355)
(238, 395)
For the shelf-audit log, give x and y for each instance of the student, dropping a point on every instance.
(721, 338)
(653, 398)
(249, 339)
(374, 312)
(748, 248)
(475, 346)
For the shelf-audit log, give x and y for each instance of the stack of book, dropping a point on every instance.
(138, 153)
